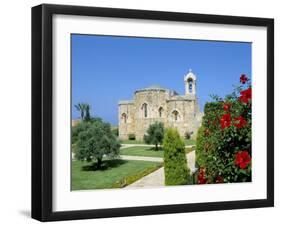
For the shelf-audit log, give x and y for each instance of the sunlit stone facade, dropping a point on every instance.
(162, 105)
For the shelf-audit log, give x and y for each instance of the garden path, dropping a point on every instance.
(157, 178)
(141, 158)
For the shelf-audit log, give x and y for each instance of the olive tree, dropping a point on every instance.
(96, 142)
(155, 134)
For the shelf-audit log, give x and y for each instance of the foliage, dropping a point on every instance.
(155, 134)
(175, 164)
(80, 127)
(87, 113)
(115, 131)
(84, 110)
(223, 147)
(95, 142)
(131, 136)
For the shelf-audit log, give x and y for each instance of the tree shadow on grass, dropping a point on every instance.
(106, 164)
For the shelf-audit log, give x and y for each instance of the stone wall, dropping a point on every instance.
(154, 99)
(188, 117)
(128, 127)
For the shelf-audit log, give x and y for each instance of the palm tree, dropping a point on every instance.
(87, 113)
(81, 107)
(84, 110)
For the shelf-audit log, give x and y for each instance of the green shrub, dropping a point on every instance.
(131, 136)
(175, 164)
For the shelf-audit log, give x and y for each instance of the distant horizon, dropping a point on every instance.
(107, 69)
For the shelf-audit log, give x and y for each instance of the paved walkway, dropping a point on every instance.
(157, 178)
(191, 158)
(151, 180)
(141, 158)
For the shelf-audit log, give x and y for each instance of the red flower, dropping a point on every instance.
(243, 79)
(225, 121)
(242, 159)
(246, 95)
(201, 176)
(219, 179)
(226, 107)
(240, 122)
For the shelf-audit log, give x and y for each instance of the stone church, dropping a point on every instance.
(155, 103)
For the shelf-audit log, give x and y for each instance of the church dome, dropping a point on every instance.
(152, 88)
(157, 88)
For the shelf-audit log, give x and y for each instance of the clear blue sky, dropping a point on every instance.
(106, 69)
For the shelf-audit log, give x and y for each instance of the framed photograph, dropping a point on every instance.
(145, 112)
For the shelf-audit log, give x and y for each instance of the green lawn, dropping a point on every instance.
(142, 151)
(132, 142)
(148, 151)
(190, 142)
(187, 142)
(188, 150)
(84, 177)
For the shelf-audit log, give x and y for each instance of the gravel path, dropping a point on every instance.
(157, 178)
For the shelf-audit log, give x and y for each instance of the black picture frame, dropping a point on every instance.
(42, 111)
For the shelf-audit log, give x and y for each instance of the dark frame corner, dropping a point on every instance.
(42, 111)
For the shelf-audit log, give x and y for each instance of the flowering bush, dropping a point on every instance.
(224, 139)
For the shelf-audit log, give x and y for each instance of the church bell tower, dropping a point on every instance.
(190, 83)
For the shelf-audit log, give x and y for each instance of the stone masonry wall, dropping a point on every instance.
(188, 120)
(154, 100)
(129, 127)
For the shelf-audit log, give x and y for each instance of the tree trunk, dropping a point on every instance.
(99, 163)
(156, 147)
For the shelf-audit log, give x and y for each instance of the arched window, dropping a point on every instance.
(160, 111)
(175, 115)
(190, 84)
(124, 117)
(144, 109)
